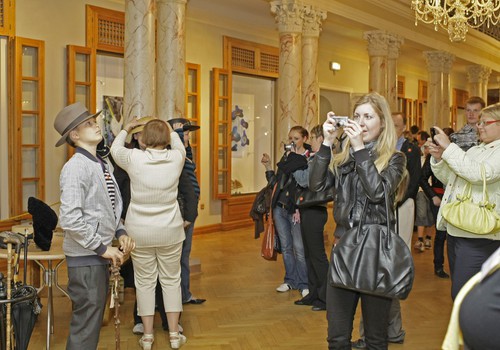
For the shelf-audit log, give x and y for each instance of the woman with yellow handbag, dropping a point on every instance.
(472, 180)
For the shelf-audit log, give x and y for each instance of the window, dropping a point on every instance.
(242, 117)
(252, 117)
(27, 172)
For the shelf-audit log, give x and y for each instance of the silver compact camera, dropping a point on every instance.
(339, 121)
(289, 147)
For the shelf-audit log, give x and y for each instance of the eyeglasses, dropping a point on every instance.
(484, 123)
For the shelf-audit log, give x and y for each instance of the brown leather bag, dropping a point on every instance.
(268, 241)
(267, 251)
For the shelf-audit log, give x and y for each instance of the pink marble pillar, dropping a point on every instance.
(394, 43)
(289, 16)
(477, 77)
(438, 105)
(171, 59)
(310, 87)
(448, 60)
(139, 59)
(377, 50)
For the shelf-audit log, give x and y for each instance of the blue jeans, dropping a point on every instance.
(292, 249)
(186, 252)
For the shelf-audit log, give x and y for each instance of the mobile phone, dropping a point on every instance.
(433, 133)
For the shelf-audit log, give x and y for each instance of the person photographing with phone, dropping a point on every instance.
(457, 168)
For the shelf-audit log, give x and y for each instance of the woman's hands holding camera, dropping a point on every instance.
(330, 129)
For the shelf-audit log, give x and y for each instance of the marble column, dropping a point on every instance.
(377, 50)
(171, 59)
(310, 87)
(139, 59)
(438, 105)
(289, 16)
(394, 44)
(477, 77)
(448, 60)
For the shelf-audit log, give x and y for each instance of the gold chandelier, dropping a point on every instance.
(457, 16)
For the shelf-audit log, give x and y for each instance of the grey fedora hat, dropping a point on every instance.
(69, 118)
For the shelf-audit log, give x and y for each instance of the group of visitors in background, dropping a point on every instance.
(353, 161)
(155, 175)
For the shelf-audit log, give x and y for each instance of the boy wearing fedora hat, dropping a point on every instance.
(90, 218)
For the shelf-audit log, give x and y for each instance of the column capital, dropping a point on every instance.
(289, 15)
(313, 19)
(477, 73)
(378, 41)
(393, 45)
(439, 61)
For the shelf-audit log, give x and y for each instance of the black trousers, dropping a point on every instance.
(312, 224)
(340, 309)
(466, 255)
(439, 240)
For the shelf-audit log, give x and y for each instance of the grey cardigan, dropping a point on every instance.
(86, 213)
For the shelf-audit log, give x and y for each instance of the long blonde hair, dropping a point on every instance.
(386, 141)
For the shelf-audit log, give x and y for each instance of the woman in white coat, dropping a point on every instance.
(455, 168)
(154, 221)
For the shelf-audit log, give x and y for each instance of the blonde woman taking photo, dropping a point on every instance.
(367, 166)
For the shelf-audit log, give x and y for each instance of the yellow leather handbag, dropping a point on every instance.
(479, 218)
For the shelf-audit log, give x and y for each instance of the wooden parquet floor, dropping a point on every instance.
(243, 310)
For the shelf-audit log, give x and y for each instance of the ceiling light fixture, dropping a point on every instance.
(456, 16)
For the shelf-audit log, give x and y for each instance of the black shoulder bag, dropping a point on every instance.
(373, 259)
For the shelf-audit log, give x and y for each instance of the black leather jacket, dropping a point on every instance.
(358, 179)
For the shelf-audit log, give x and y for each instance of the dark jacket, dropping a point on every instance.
(187, 198)
(358, 180)
(413, 165)
(285, 193)
(430, 190)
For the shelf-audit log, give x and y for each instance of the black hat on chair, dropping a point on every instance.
(44, 222)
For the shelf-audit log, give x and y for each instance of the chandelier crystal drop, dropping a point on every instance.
(456, 16)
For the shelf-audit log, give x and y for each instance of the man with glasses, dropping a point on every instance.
(467, 137)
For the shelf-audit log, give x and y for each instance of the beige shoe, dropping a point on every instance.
(176, 340)
(146, 341)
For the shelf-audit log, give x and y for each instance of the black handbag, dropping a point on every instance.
(373, 259)
(307, 198)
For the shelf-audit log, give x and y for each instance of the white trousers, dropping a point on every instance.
(150, 264)
(406, 214)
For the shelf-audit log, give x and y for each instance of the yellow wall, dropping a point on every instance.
(62, 22)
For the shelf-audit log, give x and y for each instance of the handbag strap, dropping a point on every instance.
(485, 193)
(467, 192)
(272, 195)
(387, 206)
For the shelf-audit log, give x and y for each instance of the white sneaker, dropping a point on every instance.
(138, 329)
(285, 287)
(181, 330)
(304, 292)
